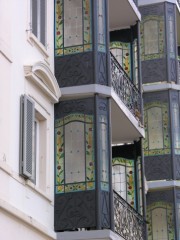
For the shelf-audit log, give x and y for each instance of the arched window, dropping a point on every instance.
(152, 37)
(74, 153)
(160, 221)
(156, 122)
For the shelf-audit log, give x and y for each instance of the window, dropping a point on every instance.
(156, 122)
(123, 179)
(74, 153)
(33, 143)
(160, 220)
(38, 19)
(152, 37)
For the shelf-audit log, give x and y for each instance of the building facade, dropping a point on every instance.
(71, 160)
(159, 33)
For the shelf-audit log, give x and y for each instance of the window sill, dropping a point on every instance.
(32, 39)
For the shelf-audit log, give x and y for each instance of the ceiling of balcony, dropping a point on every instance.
(125, 128)
(122, 14)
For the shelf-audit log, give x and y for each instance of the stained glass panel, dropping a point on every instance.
(104, 153)
(176, 127)
(73, 27)
(122, 52)
(156, 124)
(75, 163)
(171, 36)
(155, 131)
(152, 37)
(101, 26)
(123, 179)
(160, 221)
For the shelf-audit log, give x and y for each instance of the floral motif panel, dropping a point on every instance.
(152, 37)
(139, 186)
(160, 221)
(123, 179)
(156, 123)
(73, 27)
(101, 26)
(74, 153)
(122, 52)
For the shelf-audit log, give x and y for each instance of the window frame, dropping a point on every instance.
(39, 28)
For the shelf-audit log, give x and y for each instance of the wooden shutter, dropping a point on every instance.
(43, 21)
(34, 16)
(26, 139)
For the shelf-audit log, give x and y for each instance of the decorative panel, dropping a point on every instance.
(101, 26)
(122, 52)
(156, 123)
(161, 221)
(74, 70)
(158, 167)
(73, 27)
(104, 156)
(123, 179)
(154, 71)
(171, 36)
(74, 153)
(152, 37)
(75, 210)
(139, 186)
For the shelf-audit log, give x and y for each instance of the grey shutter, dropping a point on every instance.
(27, 141)
(43, 22)
(34, 16)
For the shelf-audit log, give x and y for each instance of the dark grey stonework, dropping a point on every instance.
(158, 167)
(164, 196)
(156, 9)
(74, 70)
(154, 70)
(75, 210)
(64, 108)
(105, 210)
(177, 167)
(156, 96)
(102, 69)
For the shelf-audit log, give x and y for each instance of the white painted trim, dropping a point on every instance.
(91, 89)
(148, 2)
(160, 87)
(94, 234)
(7, 207)
(133, 5)
(152, 185)
(42, 76)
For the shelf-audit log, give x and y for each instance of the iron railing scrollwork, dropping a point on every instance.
(125, 89)
(128, 223)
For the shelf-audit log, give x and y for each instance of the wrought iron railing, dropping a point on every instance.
(125, 89)
(128, 223)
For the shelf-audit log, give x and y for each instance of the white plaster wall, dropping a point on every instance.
(16, 50)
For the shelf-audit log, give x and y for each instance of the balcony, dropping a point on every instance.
(123, 13)
(125, 89)
(129, 224)
(126, 115)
